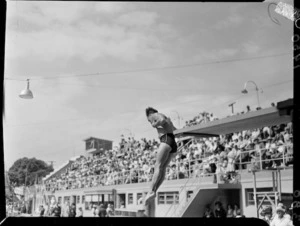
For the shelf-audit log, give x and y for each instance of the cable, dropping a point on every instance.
(160, 68)
(179, 104)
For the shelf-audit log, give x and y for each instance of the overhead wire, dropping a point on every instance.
(154, 68)
(179, 104)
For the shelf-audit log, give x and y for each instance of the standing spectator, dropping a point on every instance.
(280, 220)
(57, 210)
(232, 154)
(110, 210)
(95, 210)
(80, 212)
(102, 211)
(208, 212)
(65, 210)
(72, 212)
(41, 211)
(219, 210)
(267, 214)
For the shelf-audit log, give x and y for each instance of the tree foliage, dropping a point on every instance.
(28, 171)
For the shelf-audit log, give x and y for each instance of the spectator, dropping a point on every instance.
(279, 219)
(239, 214)
(95, 210)
(57, 210)
(219, 210)
(80, 212)
(72, 212)
(141, 213)
(266, 213)
(110, 210)
(208, 212)
(229, 211)
(102, 211)
(65, 210)
(248, 108)
(41, 211)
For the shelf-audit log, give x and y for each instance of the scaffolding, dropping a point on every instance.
(261, 197)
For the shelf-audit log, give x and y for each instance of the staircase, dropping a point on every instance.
(205, 191)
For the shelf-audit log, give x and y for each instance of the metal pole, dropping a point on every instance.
(257, 96)
(273, 180)
(279, 183)
(260, 159)
(254, 193)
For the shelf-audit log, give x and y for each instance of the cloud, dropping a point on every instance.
(110, 7)
(47, 34)
(141, 19)
(250, 47)
(232, 20)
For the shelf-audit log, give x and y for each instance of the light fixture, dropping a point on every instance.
(26, 93)
(244, 91)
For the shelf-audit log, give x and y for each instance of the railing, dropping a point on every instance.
(140, 176)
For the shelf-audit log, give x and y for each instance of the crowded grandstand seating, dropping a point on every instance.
(133, 160)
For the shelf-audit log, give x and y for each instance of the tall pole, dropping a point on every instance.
(254, 193)
(257, 97)
(232, 107)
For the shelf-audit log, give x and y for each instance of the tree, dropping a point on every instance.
(27, 170)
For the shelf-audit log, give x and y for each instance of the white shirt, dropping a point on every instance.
(285, 221)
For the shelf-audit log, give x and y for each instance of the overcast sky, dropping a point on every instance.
(183, 57)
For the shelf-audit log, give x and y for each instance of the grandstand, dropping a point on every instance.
(257, 146)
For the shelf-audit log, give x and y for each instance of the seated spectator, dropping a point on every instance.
(239, 214)
(219, 210)
(236, 208)
(208, 213)
(229, 211)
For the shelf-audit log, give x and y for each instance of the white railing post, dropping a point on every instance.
(260, 159)
(240, 158)
(283, 159)
(189, 171)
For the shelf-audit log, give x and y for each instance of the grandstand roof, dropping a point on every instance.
(251, 120)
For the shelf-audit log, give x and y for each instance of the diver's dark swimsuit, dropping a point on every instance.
(169, 139)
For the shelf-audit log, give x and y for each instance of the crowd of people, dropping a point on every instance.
(232, 211)
(281, 216)
(133, 160)
(202, 117)
(56, 210)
